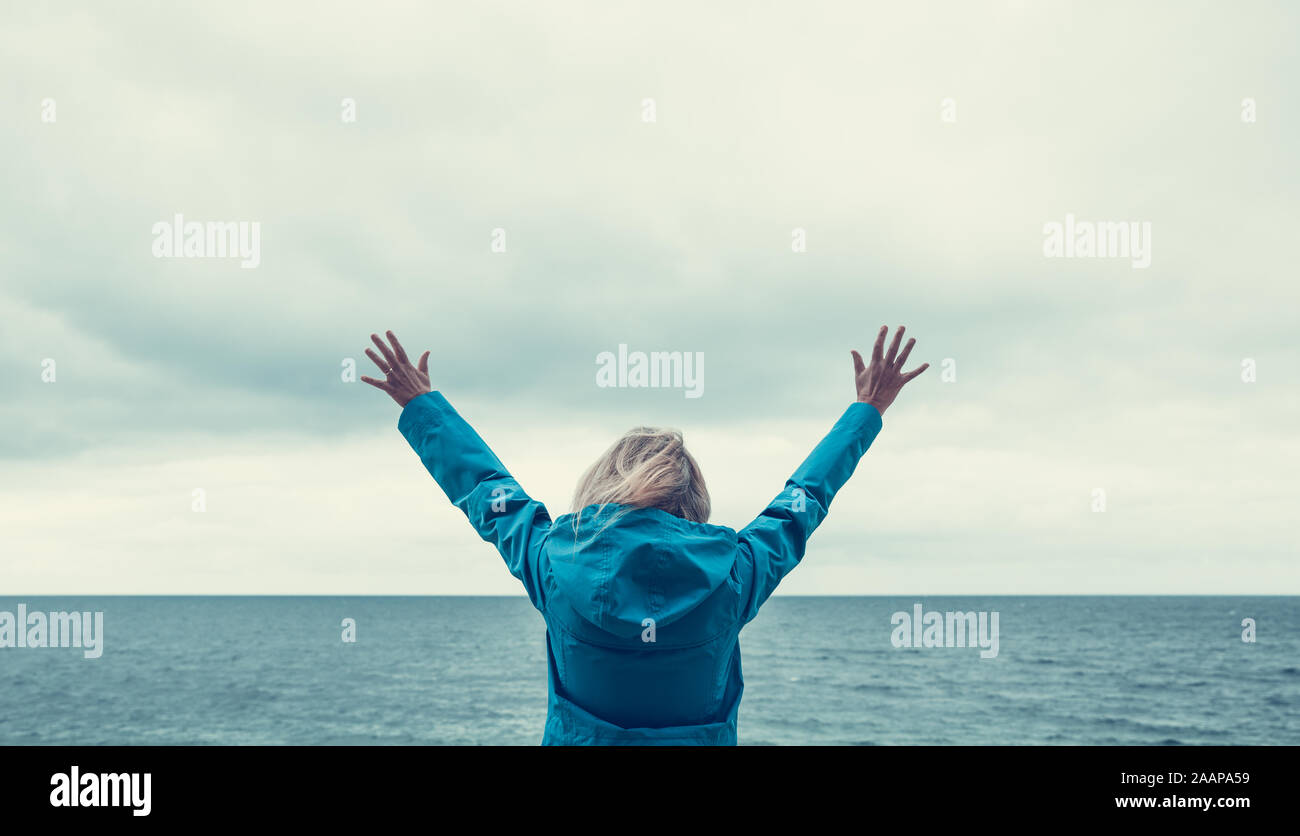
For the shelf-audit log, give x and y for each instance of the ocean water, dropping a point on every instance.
(453, 670)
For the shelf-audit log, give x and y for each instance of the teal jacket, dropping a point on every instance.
(643, 609)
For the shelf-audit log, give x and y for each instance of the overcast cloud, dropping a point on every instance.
(1072, 375)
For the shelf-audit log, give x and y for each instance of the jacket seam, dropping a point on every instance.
(564, 628)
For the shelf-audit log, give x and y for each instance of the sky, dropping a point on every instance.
(650, 170)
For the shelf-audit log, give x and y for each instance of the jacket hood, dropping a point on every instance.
(623, 565)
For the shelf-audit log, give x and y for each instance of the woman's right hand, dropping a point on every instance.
(879, 383)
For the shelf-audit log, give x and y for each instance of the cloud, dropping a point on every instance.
(1071, 375)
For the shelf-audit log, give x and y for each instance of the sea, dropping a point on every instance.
(1128, 670)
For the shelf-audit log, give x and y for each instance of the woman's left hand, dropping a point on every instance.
(404, 381)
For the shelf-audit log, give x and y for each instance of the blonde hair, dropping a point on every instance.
(648, 467)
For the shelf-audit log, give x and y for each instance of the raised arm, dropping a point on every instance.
(774, 543)
(464, 466)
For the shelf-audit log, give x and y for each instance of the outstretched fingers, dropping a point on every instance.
(397, 347)
(902, 358)
(374, 358)
(878, 350)
(403, 381)
(915, 372)
(893, 346)
(384, 350)
(879, 383)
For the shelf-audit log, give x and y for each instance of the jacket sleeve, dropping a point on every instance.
(479, 485)
(774, 543)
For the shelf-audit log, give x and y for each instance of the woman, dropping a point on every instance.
(643, 599)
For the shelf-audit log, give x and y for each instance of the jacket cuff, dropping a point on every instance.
(864, 418)
(423, 412)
